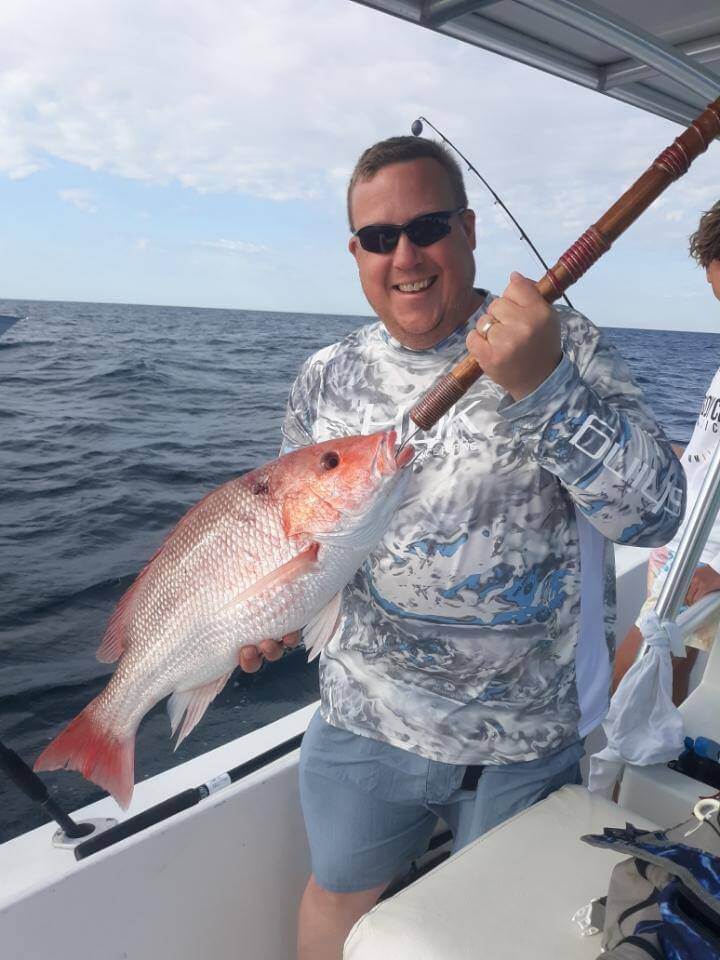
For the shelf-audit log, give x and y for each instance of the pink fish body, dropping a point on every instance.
(261, 556)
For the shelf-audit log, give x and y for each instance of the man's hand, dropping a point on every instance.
(705, 580)
(251, 656)
(522, 347)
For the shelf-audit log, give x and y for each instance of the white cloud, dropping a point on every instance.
(278, 101)
(233, 246)
(79, 197)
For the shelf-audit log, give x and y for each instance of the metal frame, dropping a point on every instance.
(646, 57)
(642, 46)
(706, 50)
(697, 529)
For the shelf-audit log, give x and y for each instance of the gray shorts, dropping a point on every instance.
(371, 808)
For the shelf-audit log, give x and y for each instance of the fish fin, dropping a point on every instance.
(113, 641)
(192, 704)
(303, 563)
(320, 629)
(96, 753)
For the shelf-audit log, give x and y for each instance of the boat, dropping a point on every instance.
(211, 858)
(6, 323)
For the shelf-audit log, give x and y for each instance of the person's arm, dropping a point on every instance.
(301, 408)
(587, 424)
(705, 580)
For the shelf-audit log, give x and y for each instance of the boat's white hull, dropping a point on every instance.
(222, 879)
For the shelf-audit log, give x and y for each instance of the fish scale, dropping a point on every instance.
(260, 557)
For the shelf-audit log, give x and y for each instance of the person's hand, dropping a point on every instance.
(522, 346)
(252, 656)
(705, 580)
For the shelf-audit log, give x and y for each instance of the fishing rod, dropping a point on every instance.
(183, 800)
(416, 129)
(33, 788)
(670, 165)
(109, 832)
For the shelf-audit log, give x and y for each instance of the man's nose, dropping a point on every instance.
(406, 255)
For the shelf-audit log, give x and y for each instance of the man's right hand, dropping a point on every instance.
(252, 655)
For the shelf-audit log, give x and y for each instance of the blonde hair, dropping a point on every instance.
(402, 150)
(705, 242)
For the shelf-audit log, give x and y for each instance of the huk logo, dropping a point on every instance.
(453, 435)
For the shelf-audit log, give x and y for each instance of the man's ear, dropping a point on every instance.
(353, 245)
(467, 218)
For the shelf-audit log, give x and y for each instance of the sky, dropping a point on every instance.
(197, 154)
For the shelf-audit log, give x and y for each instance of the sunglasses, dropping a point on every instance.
(421, 231)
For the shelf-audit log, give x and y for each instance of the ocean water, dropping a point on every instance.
(114, 419)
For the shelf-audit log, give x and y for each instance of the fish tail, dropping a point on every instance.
(94, 751)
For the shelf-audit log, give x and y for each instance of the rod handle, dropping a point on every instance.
(446, 392)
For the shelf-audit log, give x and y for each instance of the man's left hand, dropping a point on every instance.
(522, 347)
(705, 580)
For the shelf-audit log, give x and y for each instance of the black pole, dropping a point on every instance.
(182, 801)
(33, 788)
(416, 128)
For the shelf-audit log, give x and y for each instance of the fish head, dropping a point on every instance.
(336, 488)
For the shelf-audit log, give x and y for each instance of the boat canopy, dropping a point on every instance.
(659, 55)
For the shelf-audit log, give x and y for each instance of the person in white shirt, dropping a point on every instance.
(705, 249)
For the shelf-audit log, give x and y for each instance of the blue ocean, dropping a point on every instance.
(115, 419)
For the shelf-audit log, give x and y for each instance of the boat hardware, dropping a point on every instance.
(70, 832)
(670, 165)
(6, 322)
(416, 128)
(183, 800)
(703, 811)
(692, 543)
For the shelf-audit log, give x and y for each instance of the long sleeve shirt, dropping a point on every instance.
(481, 628)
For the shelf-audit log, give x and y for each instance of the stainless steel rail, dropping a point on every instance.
(697, 529)
(694, 617)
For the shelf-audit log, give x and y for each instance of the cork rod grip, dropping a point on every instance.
(672, 163)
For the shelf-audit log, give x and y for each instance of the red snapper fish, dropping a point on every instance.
(263, 555)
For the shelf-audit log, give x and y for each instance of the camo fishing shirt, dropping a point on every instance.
(481, 628)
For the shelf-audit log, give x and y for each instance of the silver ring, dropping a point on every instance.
(485, 328)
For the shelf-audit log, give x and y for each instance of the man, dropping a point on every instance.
(472, 641)
(705, 250)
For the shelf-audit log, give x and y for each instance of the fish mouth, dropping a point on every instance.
(387, 462)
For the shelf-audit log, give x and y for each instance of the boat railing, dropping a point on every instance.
(697, 529)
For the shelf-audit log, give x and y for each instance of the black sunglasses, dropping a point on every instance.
(422, 231)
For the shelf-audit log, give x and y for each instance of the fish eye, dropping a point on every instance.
(329, 460)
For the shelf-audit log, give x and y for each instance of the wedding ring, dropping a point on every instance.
(485, 328)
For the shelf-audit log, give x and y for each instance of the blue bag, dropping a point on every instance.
(664, 902)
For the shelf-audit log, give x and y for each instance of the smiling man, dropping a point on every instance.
(422, 293)
(474, 652)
